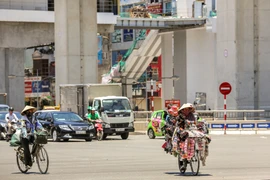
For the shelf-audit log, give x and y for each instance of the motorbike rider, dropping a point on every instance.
(88, 111)
(10, 117)
(93, 115)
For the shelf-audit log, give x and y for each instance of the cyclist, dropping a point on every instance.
(27, 133)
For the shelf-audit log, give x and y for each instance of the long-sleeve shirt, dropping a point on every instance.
(10, 117)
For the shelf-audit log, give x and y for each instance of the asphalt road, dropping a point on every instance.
(231, 157)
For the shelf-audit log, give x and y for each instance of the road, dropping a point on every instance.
(231, 157)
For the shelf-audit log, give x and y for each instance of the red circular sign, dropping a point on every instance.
(225, 88)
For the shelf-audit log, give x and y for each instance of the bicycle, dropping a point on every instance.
(38, 152)
(194, 162)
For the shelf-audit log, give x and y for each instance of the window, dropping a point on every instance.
(3, 108)
(116, 104)
(50, 5)
(168, 6)
(159, 115)
(97, 104)
(71, 117)
(3, 116)
(48, 117)
(41, 116)
(107, 6)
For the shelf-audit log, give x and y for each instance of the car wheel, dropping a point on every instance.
(104, 136)
(151, 134)
(55, 136)
(88, 140)
(65, 140)
(125, 135)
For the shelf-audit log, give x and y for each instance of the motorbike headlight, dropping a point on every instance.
(64, 127)
(130, 124)
(107, 126)
(91, 127)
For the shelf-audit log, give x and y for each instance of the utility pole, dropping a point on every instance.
(146, 92)
(152, 95)
(37, 90)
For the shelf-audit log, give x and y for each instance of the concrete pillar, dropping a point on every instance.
(3, 71)
(167, 67)
(76, 42)
(180, 66)
(226, 51)
(12, 60)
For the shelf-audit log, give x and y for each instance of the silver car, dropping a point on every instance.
(4, 107)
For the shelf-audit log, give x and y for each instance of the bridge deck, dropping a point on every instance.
(159, 23)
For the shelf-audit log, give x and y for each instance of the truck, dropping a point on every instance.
(107, 99)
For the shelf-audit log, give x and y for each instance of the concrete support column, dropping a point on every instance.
(167, 67)
(180, 66)
(227, 60)
(12, 60)
(76, 42)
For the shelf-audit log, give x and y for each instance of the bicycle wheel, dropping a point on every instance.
(181, 166)
(42, 160)
(20, 160)
(195, 163)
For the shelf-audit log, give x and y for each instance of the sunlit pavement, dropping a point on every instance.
(231, 157)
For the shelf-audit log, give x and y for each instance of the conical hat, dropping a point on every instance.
(28, 108)
(187, 105)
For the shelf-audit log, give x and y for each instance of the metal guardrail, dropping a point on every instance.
(218, 114)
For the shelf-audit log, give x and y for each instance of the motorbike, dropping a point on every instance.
(99, 129)
(3, 130)
(13, 127)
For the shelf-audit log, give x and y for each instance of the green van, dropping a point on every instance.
(157, 121)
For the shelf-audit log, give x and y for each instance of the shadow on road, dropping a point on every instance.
(186, 174)
(30, 173)
(81, 140)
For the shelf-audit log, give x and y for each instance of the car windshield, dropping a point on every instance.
(3, 108)
(2, 116)
(67, 117)
(116, 104)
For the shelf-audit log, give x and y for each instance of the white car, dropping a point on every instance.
(4, 107)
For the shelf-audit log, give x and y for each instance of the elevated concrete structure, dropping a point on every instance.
(76, 42)
(14, 37)
(159, 23)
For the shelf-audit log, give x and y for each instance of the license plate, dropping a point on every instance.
(120, 115)
(80, 132)
(120, 129)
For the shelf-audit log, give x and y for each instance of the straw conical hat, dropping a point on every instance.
(28, 108)
(187, 105)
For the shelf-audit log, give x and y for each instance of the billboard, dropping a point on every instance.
(100, 50)
(117, 56)
(155, 8)
(34, 87)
